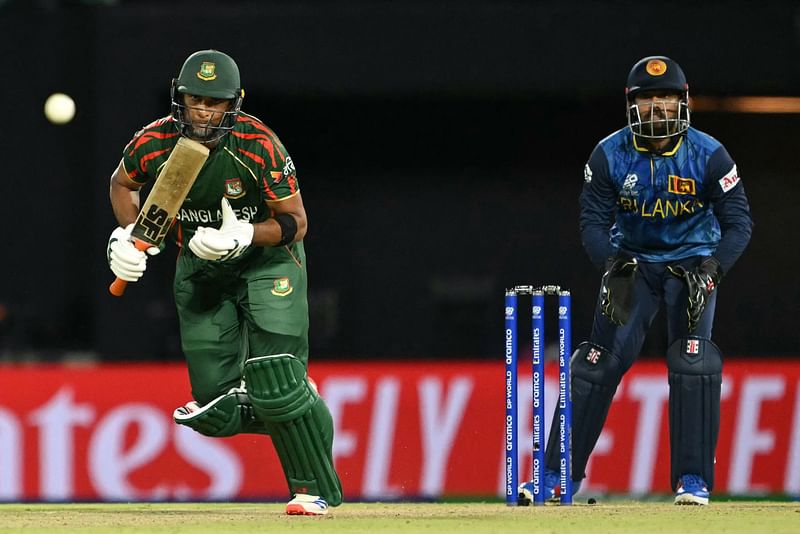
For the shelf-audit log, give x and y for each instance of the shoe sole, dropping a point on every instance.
(298, 509)
(689, 499)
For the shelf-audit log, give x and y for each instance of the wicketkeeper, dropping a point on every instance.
(664, 216)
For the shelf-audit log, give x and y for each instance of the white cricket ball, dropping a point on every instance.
(59, 108)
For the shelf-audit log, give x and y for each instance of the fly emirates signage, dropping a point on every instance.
(404, 430)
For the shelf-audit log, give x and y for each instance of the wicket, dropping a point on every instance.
(564, 406)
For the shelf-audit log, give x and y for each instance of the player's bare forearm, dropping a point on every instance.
(124, 196)
(269, 233)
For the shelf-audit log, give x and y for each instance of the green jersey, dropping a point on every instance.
(248, 167)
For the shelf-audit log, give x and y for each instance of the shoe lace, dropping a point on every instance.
(693, 480)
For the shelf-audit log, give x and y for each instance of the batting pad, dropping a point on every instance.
(227, 415)
(298, 422)
(695, 385)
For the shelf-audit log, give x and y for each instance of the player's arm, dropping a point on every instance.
(287, 225)
(598, 205)
(124, 194)
(125, 260)
(731, 208)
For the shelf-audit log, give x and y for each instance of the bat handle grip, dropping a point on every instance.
(117, 287)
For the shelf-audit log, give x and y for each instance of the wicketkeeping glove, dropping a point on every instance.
(700, 283)
(126, 261)
(227, 242)
(617, 288)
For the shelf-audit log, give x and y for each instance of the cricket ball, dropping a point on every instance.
(59, 108)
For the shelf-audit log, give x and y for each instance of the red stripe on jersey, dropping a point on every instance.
(133, 174)
(292, 183)
(271, 137)
(263, 140)
(158, 122)
(256, 124)
(149, 136)
(148, 157)
(268, 191)
(255, 157)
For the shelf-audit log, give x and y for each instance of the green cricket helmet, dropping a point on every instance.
(209, 73)
(657, 74)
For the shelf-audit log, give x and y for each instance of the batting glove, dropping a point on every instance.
(225, 243)
(126, 261)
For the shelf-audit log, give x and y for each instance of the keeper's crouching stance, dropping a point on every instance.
(653, 258)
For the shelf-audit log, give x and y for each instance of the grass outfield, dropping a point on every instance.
(216, 518)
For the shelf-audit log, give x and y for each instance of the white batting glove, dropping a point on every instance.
(126, 261)
(232, 238)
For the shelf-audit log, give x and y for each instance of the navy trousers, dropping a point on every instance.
(654, 285)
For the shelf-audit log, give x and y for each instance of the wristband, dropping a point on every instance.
(288, 226)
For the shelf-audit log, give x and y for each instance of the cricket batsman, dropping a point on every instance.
(240, 280)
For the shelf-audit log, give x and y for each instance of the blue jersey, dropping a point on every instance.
(688, 201)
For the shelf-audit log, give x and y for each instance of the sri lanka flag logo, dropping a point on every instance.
(682, 186)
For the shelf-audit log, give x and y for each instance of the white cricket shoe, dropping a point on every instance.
(303, 504)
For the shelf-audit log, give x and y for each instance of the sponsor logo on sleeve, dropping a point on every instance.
(587, 174)
(730, 180)
(288, 168)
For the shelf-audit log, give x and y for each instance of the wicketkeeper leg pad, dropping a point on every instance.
(298, 421)
(596, 372)
(695, 385)
(227, 415)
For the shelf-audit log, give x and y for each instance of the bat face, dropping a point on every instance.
(169, 191)
(152, 226)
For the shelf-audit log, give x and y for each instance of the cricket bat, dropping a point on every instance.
(169, 191)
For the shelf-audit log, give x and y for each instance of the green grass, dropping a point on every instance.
(466, 518)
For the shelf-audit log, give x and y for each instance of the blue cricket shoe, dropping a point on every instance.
(552, 487)
(692, 489)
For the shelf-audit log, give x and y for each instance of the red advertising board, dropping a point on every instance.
(403, 430)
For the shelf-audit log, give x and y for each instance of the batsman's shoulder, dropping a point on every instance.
(164, 125)
(252, 134)
(160, 131)
(251, 124)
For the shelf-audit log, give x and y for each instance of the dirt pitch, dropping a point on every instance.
(466, 518)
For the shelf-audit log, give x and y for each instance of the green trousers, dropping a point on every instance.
(253, 306)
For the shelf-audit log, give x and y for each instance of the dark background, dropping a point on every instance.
(440, 148)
